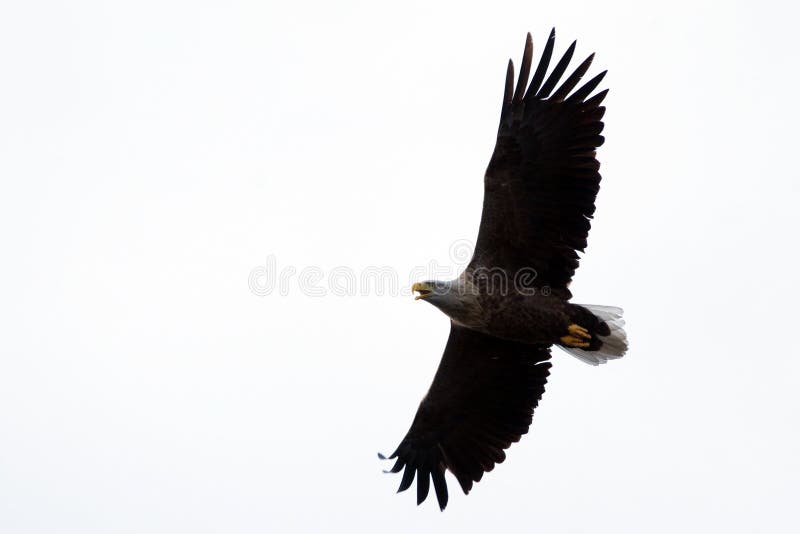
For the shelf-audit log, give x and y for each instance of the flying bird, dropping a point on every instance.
(512, 302)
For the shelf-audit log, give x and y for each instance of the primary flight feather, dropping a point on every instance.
(511, 303)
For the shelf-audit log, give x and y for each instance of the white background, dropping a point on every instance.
(153, 154)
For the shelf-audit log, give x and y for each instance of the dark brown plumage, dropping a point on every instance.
(542, 180)
(481, 401)
(539, 193)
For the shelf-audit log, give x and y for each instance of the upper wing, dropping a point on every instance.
(543, 177)
(481, 400)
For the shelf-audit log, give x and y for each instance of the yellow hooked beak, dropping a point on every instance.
(425, 290)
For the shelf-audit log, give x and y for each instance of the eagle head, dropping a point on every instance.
(453, 297)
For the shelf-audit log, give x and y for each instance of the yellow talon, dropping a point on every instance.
(578, 331)
(572, 341)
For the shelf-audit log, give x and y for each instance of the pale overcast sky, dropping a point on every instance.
(159, 159)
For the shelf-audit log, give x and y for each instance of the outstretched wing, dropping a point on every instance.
(481, 401)
(541, 183)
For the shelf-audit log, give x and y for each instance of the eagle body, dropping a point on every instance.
(533, 316)
(536, 320)
(512, 302)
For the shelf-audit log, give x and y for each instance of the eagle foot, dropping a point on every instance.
(571, 341)
(578, 331)
(578, 337)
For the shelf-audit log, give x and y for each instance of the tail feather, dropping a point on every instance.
(615, 344)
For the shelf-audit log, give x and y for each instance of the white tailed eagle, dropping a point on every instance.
(512, 303)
